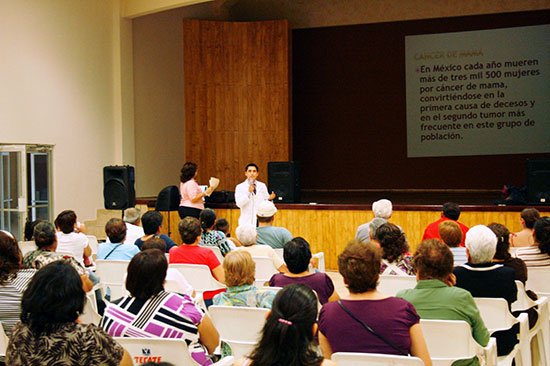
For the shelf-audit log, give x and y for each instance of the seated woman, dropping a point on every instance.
(211, 237)
(70, 238)
(524, 238)
(46, 241)
(538, 255)
(247, 236)
(297, 256)
(14, 279)
(395, 257)
(451, 234)
(392, 318)
(287, 336)
(502, 254)
(239, 269)
(50, 333)
(149, 311)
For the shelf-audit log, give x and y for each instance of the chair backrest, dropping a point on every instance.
(495, 313)
(320, 257)
(111, 275)
(391, 285)
(92, 241)
(143, 350)
(445, 349)
(374, 359)
(198, 276)
(89, 314)
(171, 286)
(537, 280)
(218, 253)
(27, 246)
(523, 301)
(238, 323)
(264, 268)
(3, 341)
(280, 252)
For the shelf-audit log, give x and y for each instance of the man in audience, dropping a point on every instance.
(132, 218)
(190, 252)
(152, 221)
(274, 236)
(247, 236)
(451, 234)
(70, 239)
(483, 278)
(434, 296)
(116, 248)
(382, 209)
(451, 211)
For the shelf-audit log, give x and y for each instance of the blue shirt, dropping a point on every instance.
(119, 251)
(169, 242)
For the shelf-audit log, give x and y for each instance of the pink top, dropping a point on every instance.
(188, 190)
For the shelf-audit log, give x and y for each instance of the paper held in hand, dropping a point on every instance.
(214, 182)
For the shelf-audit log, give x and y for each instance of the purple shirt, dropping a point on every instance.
(391, 317)
(319, 282)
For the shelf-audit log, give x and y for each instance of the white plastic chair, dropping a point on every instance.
(92, 241)
(497, 316)
(3, 341)
(218, 253)
(240, 327)
(27, 247)
(538, 280)
(198, 276)
(143, 350)
(391, 285)
(111, 275)
(264, 270)
(280, 252)
(374, 359)
(319, 256)
(541, 330)
(89, 314)
(444, 349)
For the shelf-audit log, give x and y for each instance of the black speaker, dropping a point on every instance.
(538, 182)
(118, 187)
(284, 180)
(168, 199)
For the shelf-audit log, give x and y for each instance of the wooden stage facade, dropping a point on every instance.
(328, 227)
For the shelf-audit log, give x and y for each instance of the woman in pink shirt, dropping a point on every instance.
(191, 195)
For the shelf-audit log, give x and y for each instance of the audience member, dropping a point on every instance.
(392, 318)
(451, 234)
(29, 229)
(46, 241)
(69, 239)
(525, 237)
(50, 333)
(172, 273)
(451, 211)
(382, 209)
(274, 236)
(434, 296)
(502, 254)
(247, 236)
(239, 269)
(211, 237)
(132, 218)
(190, 252)
(14, 279)
(288, 334)
(149, 311)
(395, 257)
(223, 226)
(152, 223)
(191, 194)
(483, 278)
(297, 255)
(116, 249)
(538, 255)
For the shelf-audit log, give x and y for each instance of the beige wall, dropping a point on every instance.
(58, 76)
(158, 60)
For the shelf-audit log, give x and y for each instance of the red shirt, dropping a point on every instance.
(193, 254)
(432, 230)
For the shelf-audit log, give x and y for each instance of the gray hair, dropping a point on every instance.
(131, 215)
(481, 243)
(375, 224)
(246, 234)
(382, 208)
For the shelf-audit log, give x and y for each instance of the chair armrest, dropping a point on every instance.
(490, 352)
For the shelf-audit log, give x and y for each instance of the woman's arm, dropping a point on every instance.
(86, 283)
(126, 359)
(88, 251)
(199, 197)
(208, 334)
(219, 274)
(418, 345)
(325, 346)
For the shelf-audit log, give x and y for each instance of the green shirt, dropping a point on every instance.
(433, 299)
(274, 236)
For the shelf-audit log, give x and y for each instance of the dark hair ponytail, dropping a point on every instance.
(542, 234)
(287, 335)
(207, 218)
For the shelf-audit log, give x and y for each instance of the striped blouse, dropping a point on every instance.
(165, 315)
(533, 257)
(10, 298)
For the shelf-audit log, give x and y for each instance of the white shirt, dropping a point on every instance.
(133, 232)
(257, 250)
(248, 202)
(72, 243)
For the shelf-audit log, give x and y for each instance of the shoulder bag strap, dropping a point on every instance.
(112, 250)
(397, 348)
